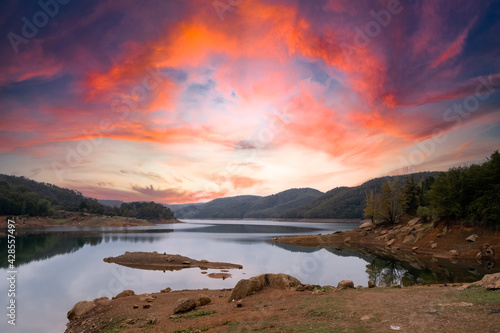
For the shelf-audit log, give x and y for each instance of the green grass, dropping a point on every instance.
(60, 221)
(479, 295)
(114, 326)
(195, 314)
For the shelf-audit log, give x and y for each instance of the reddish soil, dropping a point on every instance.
(435, 308)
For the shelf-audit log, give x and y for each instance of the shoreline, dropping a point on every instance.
(435, 308)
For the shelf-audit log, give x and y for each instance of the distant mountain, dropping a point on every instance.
(247, 206)
(110, 203)
(347, 202)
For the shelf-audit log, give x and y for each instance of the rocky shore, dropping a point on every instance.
(81, 220)
(280, 303)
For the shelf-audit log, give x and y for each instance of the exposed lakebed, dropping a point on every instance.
(58, 267)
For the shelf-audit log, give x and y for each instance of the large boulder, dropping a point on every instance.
(345, 284)
(489, 281)
(80, 308)
(125, 293)
(203, 300)
(184, 305)
(249, 286)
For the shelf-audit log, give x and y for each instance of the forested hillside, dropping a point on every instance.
(468, 194)
(248, 206)
(23, 196)
(346, 202)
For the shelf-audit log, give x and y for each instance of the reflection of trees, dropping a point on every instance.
(42, 246)
(384, 272)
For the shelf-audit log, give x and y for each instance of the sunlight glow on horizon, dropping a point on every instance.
(178, 102)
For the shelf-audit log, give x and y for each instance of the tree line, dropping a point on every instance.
(26, 197)
(469, 194)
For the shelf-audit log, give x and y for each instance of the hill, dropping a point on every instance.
(20, 196)
(347, 202)
(247, 206)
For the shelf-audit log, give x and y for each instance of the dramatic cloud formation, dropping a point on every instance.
(180, 101)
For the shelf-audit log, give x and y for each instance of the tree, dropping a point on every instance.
(410, 197)
(390, 202)
(370, 208)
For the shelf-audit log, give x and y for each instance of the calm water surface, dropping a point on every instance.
(59, 267)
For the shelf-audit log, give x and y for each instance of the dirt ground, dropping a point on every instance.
(436, 308)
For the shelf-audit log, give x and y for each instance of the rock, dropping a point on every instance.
(147, 298)
(80, 308)
(185, 304)
(489, 281)
(300, 288)
(433, 245)
(345, 284)
(135, 306)
(371, 284)
(366, 225)
(153, 321)
(366, 318)
(101, 299)
(203, 300)
(415, 248)
(129, 321)
(487, 251)
(125, 293)
(413, 222)
(389, 243)
(166, 290)
(395, 286)
(472, 238)
(186, 262)
(239, 304)
(317, 292)
(308, 287)
(360, 287)
(146, 306)
(347, 239)
(246, 287)
(409, 239)
(454, 253)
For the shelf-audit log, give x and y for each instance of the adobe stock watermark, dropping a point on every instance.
(455, 114)
(75, 154)
(373, 28)
(30, 27)
(222, 6)
(116, 284)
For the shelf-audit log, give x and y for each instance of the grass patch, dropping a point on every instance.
(61, 221)
(479, 296)
(195, 314)
(114, 326)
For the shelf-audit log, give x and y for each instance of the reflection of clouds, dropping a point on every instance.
(49, 288)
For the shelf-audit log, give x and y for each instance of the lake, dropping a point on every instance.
(59, 267)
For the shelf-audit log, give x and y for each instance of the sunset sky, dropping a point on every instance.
(184, 101)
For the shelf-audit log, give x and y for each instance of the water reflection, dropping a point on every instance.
(38, 245)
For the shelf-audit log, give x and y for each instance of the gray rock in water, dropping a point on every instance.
(345, 284)
(247, 287)
(185, 304)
